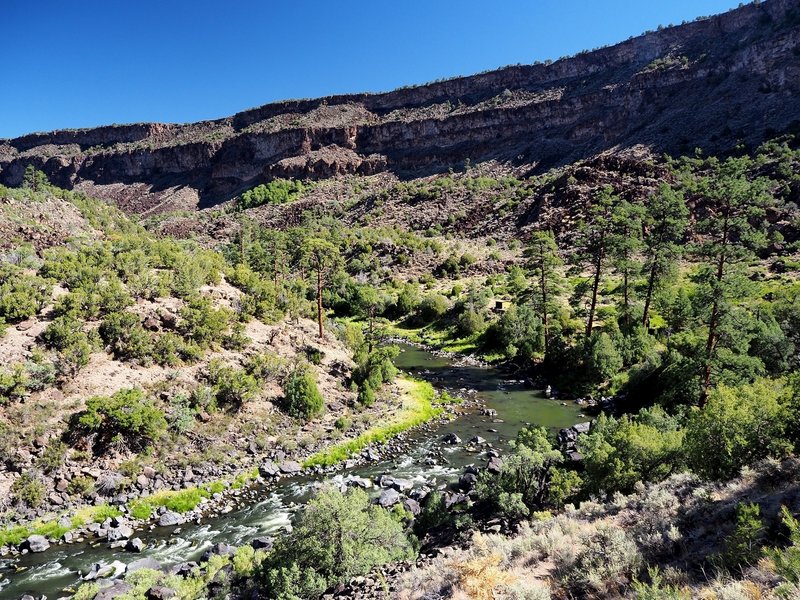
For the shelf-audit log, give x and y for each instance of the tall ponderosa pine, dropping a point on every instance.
(323, 258)
(543, 261)
(592, 246)
(625, 244)
(666, 218)
(731, 230)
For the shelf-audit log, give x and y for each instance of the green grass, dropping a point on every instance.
(182, 501)
(419, 407)
(13, 536)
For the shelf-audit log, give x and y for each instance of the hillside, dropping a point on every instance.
(712, 84)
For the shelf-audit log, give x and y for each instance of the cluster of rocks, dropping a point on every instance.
(568, 438)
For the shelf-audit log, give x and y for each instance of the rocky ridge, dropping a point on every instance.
(716, 81)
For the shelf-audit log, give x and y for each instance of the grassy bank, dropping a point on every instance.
(179, 501)
(419, 406)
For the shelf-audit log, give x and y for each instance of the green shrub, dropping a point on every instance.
(21, 295)
(737, 427)
(743, 547)
(81, 485)
(337, 537)
(203, 323)
(53, 456)
(232, 387)
(28, 490)
(125, 336)
(302, 398)
(366, 395)
(620, 452)
(127, 418)
(431, 308)
(278, 191)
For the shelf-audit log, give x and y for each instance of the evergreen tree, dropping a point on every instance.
(624, 245)
(665, 223)
(543, 261)
(592, 245)
(323, 258)
(731, 229)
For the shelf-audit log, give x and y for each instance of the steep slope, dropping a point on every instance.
(711, 84)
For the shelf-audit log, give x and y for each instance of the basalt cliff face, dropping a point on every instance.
(712, 83)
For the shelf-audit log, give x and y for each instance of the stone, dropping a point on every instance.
(221, 548)
(477, 440)
(263, 543)
(356, 481)
(115, 590)
(62, 485)
(467, 481)
(135, 545)
(389, 497)
(452, 439)
(268, 469)
(142, 481)
(412, 506)
(123, 532)
(160, 592)
(183, 569)
(290, 467)
(495, 465)
(170, 519)
(143, 563)
(36, 543)
(149, 472)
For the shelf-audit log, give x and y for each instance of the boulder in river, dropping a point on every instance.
(170, 519)
(36, 543)
(221, 549)
(389, 497)
(494, 465)
(263, 543)
(412, 506)
(143, 563)
(467, 481)
(134, 545)
(452, 439)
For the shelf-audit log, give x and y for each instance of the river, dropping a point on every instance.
(55, 570)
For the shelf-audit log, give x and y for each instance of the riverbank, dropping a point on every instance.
(418, 404)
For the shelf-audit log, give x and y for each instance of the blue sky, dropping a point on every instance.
(93, 62)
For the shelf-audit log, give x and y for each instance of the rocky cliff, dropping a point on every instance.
(712, 83)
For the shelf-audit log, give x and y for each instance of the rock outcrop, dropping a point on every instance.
(709, 83)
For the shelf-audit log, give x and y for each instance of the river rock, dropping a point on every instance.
(221, 549)
(122, 532)
(290, 467)
(452, 439)
(412, 506)
(170, 519)
(467, 481)
(99, 571)
(263, 543)
(183, 569)
(494, 465)
(477, 440)
(389, 497)
(268, 469)
(36, 543)
(115, 590)
(356, 481)
(143, 563)
(160, 592)
(134, 545)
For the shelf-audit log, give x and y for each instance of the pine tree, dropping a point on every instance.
(731, 230)
(543, 262)
(665, 221)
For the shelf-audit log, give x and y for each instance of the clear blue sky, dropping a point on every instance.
(92, 62)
